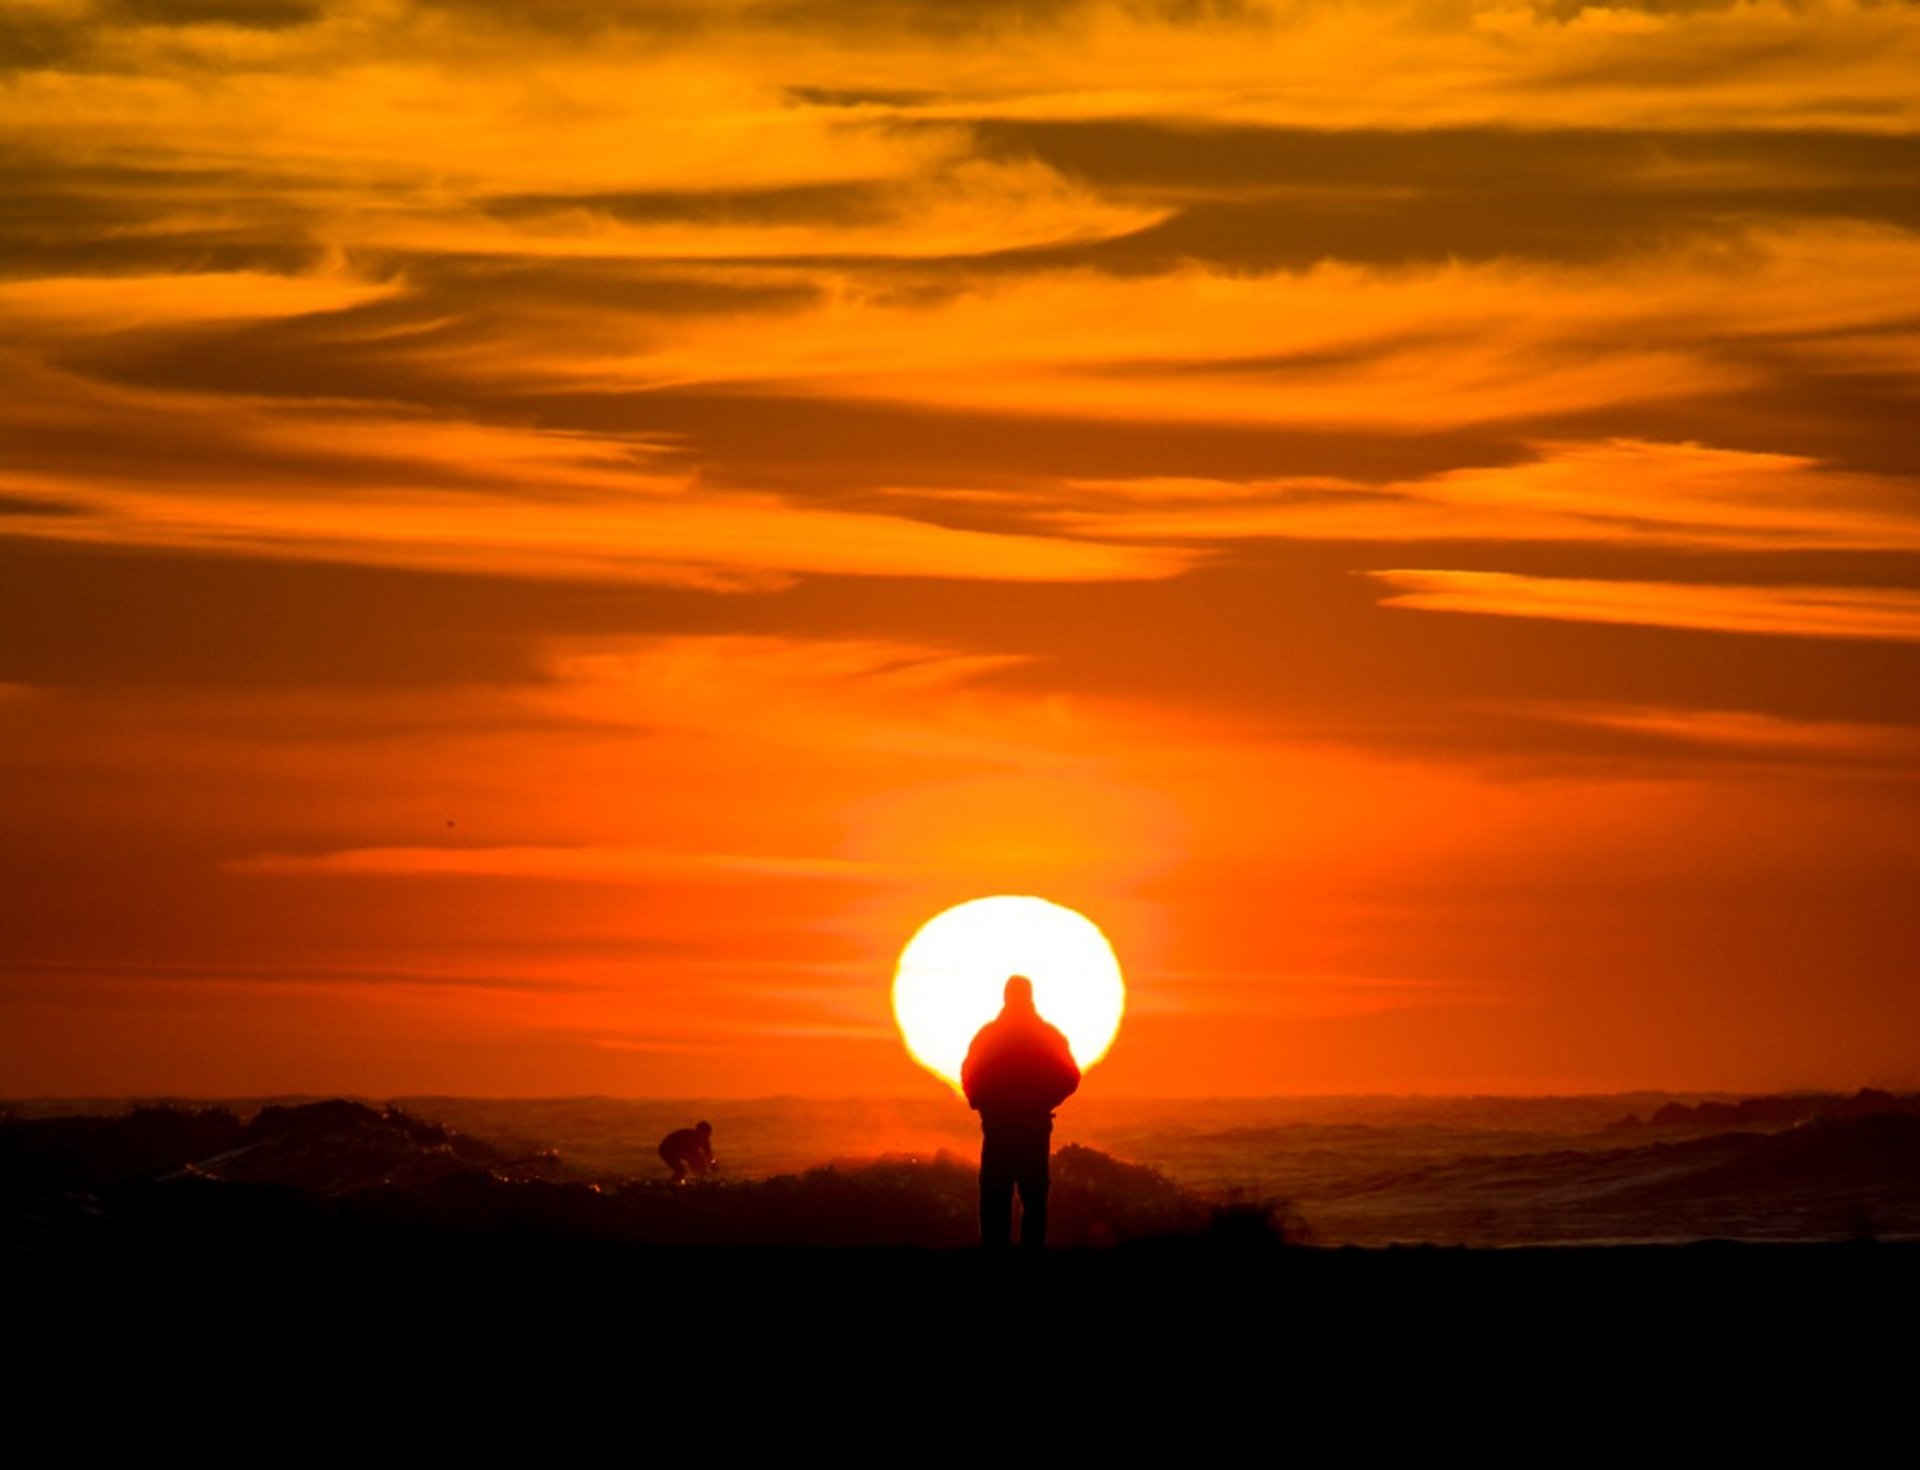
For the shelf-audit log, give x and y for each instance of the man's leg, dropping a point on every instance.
(996, 1197)
(1035, 1180)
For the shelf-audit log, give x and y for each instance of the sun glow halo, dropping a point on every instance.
(953, 971)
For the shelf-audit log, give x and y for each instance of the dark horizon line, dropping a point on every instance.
(301, 1096)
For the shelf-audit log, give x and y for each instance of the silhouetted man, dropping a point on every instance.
(1017, 1071)
(688, 1151)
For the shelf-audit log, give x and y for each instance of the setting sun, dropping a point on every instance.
(952, 972)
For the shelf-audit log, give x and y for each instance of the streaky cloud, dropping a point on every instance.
(1760, 735)
(1891, 614)
(567, 864)
(1621, 492)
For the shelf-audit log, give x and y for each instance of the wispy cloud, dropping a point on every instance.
(1759, 734)
(1309, 996)
(715, 541)
(70, 305)
(975, 207)
(354, 483)
(194, 974)
(1802, 612)
(566, 864)
(1617, 491)
(1418, 347)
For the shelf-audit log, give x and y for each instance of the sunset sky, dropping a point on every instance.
(539, 542)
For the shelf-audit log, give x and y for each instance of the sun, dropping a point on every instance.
(951, 975)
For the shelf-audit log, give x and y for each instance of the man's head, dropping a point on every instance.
(1019, 993)
(702, 1128)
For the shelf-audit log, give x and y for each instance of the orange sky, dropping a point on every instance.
(537, 544)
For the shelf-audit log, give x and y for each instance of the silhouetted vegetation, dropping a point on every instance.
(343, 1173)
(337, 1175)
(1242, 1222)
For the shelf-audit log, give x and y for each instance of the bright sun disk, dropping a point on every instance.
(953, 971)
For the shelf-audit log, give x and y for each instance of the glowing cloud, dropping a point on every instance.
(1803, 612)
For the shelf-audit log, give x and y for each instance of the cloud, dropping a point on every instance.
(718, 541)
(1621, 491)
(78, 305)
(628, 865)
(1417, 348)
(1440, 63)
(1803, 612)
(268, 15)
(1760, 736)
(973, 207)
(1301, 997)
(1245, 198)
(194, 974)
(352, 483)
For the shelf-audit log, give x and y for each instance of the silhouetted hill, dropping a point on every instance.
(343, 1175)
(337, 1147)
(1781, 1111)
(350, 1173)
(45, 1155)
(333, 1147)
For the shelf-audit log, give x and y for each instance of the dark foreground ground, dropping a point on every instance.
(358, 1278)
(1176, 1350)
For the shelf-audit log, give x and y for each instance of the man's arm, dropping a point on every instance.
(1069, 1069)
(970, 1068)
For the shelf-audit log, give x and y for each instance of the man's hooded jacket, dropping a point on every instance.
(1019, 1068)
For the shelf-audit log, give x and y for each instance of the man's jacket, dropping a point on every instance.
(1019, 1068)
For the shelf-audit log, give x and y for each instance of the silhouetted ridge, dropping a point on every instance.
(338, 1147)
(340, 1175)
(52, 1154)
(888, 1202)
(346, 1177)
(1782, 1111)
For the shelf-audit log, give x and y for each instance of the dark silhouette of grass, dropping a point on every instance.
(343, 1176)
(1246, 1222)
